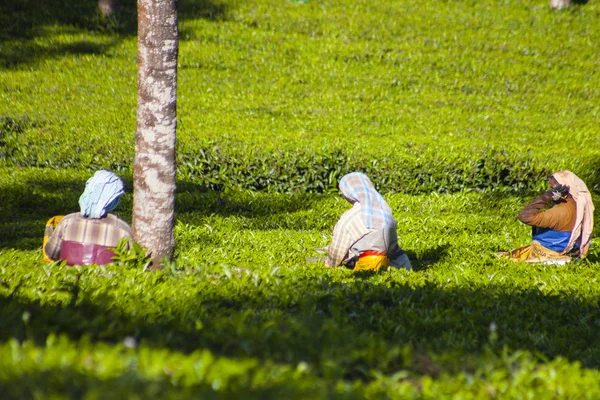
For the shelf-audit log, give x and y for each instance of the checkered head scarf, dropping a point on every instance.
(357, 187)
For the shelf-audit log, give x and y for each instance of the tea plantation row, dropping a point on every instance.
(242, 314)
(288, 96)
(457, 110)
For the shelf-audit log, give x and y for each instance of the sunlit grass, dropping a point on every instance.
(457, 110)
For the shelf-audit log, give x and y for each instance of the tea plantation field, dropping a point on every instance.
(457, 110)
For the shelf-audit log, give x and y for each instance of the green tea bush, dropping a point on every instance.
(287, 96)
(457, 111)
(241, 313)
(299, 171)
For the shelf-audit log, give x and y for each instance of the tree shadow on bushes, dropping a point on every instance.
(30, 203)
(23, 22)
(68, 382)
(423, 260)
(340, 329)
(205, 9)
(196, 200)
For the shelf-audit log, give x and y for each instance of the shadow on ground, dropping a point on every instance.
(30, 203)
(341, 329)
(348, 328)
(423, 260)
(27, 26)
(72, 383)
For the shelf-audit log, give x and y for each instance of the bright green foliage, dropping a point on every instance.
(242, 314)
(129, 252)
(288, 96)
(457, 110)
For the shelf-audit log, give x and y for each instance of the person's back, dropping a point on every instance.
(562, 221)
(365, 236)
(77, 238)
(381, 242)
(87, 237)
(551, 228)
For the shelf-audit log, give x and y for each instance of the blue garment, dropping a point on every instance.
(357, 187)
(102, 194)
(552, 239)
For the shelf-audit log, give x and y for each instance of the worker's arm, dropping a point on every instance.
(532, 214)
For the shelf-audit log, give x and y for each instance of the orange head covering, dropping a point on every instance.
(584, 223)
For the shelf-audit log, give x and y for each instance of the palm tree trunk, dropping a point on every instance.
(154, 164)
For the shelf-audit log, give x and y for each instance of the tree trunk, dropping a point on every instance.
(109, 7)
(154, 164)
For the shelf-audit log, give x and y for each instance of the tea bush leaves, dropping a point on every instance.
(242, 301)
(288, 96)
(458, 111)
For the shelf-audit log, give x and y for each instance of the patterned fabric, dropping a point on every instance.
(102, 194)
(535, 253)
(357, 187)
(74, 227)
(50, 227)
(350, 228)
(584, 223)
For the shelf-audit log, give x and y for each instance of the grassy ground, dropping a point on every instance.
(478, 99)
